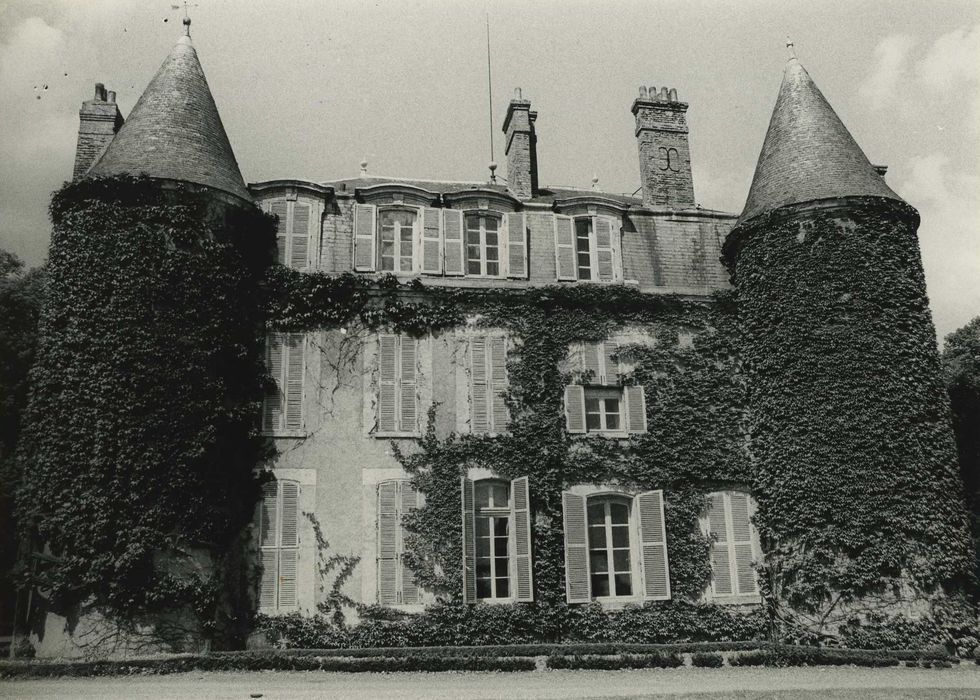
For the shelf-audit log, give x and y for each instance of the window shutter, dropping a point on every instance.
(387, 382)
(388, 543)
(653, 545)
(270, 575)
(521, 517)
(576, 548)
(636, 409)
(610, 365)
(565, 247)
(452, 224)
(408, 401)
(603, 227)
(408, 500)
(279, 210)
(299, 243)
(365, 237)
(721, 565)
(742, 544)
(469, 540)
(517, 245)
(273, 403)
(431, 241)
(290, 514)
(268, 515)
(498, 384)
(575, 408)
(479, 390)
(287, 577)
(591, 362)
(294, 381)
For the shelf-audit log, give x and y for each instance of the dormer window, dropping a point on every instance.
(482, 245)
(396, 252)
(587, 248)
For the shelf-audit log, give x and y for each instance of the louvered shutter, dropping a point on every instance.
(721, 565)
(388, 543)
(610, 365)
(272, 405)
(408, 500)
(294, 381)
(498, 384)
(577, 588)
(279, 210)
(479, 389)
(575, 408)
(365, 237)
(591, 362)
(299, 239)
(564, 247)
(636, 409)
(603, 227)
(431, 241)
(653, 545)
(469, 540)
(742, 544)
(269, 515)
(452, 225)
(407, 399)
(289, 543)
(288, 561)
(270, 575)
(517, 245)
(521, 517)
(387, 383)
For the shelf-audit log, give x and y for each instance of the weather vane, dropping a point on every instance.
(187, 17)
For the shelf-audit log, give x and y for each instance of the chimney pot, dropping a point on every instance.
(100, 91)
(517, 94)
(664, 95)
(653, 92)
(111, 96)
(673, 94)
(643, 92)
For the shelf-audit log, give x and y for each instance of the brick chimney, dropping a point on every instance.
(99, 120)
(665, 161)
(521, 148)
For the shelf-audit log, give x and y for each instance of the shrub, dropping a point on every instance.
(707, 659)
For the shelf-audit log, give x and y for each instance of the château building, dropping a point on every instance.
(348, 403)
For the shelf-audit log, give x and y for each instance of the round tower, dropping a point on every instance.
(857, 483)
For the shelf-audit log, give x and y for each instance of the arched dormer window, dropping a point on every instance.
(396, 239)
(483, 244)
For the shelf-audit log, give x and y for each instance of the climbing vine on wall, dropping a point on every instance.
(141, 433)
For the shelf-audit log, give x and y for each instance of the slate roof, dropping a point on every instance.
(174, 132)
(808, 153)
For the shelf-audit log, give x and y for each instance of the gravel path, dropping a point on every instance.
(689, 683)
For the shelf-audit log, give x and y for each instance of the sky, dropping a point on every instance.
(310, 88)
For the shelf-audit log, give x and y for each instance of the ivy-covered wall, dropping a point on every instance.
(141, 433)
(854, 460)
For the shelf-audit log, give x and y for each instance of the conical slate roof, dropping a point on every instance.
(808, 153)
(174, 131)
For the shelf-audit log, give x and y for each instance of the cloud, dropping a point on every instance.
(891, 68)
(949, 203)
(951, 61)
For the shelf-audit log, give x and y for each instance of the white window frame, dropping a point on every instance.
(497, 512)
(484, 214)
(601, 393)
(634, 535)
(416, 237)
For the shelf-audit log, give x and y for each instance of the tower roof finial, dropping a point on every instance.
(187, 17)
(791, 47)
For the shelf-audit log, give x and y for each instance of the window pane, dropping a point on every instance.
(503, 588)
(482, 494)
(499, 494)
(500, 528)
(621, 560)
(612, 421)
(500, 546)
(483, 547)
(493, 268)
(483, 568)
(619, 512)
(473, 237)
(583, 227)
(483, 588)
(473, 266)
(600, 585)
(492, 238)
(501, 563)
(624, 586)
(597, 514)
(490, 223)
(599, 562)
(621, 537)
(482, 527)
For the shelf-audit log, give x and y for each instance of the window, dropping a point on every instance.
(293, 220)
(482, 245)
(600, 404)
(397, 240)
(496, 540)
(615, 546)
(397, 385)
(282, 408)
(734, 547)
(587, 248)
(436, 241)
(278, 532)
(488, 384)
(396, 582)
